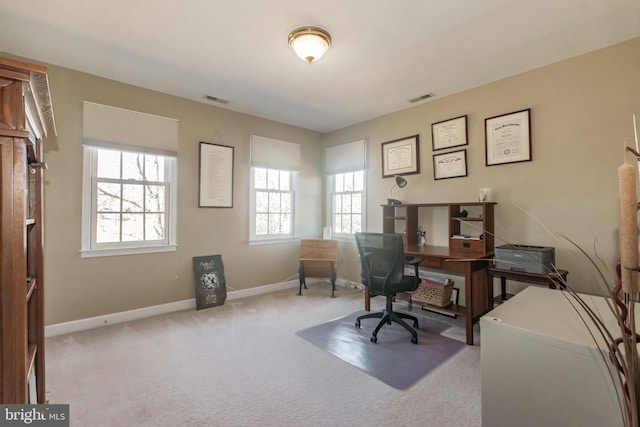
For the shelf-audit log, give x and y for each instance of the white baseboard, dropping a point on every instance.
(141, 313)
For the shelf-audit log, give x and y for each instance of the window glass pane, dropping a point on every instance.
(274, 202)
(358, 181)
(154, 168)
(262, 201)
(274, 223)
(154, 227)
(108, 197)
(356, 223)
(262, 224)
(260, 178)
(273, 179)
(285, 205)
(346, 203)
(154, 198)
(132, 198)
(285, 180)
(339, 178)
(108, 164)
(356, 203)
(348, 181)
(132, 166)
(132, 227)
(346, 224)
(107, 228)
(285, 223)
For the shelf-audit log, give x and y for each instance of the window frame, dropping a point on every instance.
(258, 239)
(331, 183)
(89, 247)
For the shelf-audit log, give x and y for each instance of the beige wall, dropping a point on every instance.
(80, 288)
(581, 110)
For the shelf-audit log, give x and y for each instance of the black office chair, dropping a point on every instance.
(383, 260)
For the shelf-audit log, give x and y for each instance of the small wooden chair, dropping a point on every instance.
(318, 258)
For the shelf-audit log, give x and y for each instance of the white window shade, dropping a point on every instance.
(104, 126)
(274, 154)
(345, 158)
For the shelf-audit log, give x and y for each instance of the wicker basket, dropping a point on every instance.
(433, 293)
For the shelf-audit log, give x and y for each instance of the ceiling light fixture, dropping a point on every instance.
(309, 43)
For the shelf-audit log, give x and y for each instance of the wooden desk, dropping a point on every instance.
(473, 266)
(553, 280)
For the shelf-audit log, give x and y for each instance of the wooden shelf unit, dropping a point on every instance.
(26, 117)
(476, 253)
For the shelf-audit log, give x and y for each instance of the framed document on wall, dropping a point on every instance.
(216, 176)
(449, 133)
(508, 138)
(450, 165)
(401, 156)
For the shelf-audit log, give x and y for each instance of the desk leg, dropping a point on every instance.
(503, 288)
(468, 296)
(367, 299)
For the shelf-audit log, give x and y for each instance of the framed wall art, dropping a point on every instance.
(216, 176)
(449, 133)
(508, 138)
(450, 165)
(401, 156)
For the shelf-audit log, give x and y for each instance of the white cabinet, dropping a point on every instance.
(541, 367)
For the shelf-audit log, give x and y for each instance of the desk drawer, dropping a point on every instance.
(467, 245)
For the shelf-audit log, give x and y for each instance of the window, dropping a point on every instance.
(273, 198)
(274, 190)
(347, 197)
(345, 167)
(128, 201)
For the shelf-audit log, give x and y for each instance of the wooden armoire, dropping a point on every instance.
(26, 118)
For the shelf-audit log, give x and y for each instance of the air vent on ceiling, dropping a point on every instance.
(422, 98)
(216, 99)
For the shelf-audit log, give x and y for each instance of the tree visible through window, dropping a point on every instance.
(131, 195)
(127, 200)
(347, 194)
(273, 203)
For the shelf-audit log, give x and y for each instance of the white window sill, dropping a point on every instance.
(93, 253)
(272, 241)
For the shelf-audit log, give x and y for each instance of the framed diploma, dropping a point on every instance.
(450, 165)
(216, 176)
(449, 133)
(508, 138)
(401, 156)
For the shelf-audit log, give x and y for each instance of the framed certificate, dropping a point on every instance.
(449, 133)
(401, 156)
(216, 176)
(508, 138)
(450, 165)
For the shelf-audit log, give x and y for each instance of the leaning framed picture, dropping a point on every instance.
(401, 156)
(449, 133)
(216, 176)
(508, 138)
(450, 165)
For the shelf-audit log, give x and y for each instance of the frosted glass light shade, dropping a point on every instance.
(309, 43)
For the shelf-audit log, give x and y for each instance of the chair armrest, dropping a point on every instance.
(416, 260)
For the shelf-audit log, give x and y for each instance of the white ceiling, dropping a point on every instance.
(384, 52)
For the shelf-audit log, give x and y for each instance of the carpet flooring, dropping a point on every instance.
(393, 360)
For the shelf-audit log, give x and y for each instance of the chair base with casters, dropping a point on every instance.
(388, 316)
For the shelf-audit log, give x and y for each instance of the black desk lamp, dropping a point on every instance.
(400, 182)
